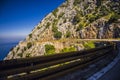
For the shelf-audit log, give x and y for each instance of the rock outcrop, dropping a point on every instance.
(74, 19)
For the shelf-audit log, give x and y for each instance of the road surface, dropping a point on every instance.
(114, 73)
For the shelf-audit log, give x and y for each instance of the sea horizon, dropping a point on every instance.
(6, 44)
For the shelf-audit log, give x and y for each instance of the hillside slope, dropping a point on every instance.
(74, 19)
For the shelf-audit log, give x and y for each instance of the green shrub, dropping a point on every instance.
(57, 35)
(20, 54)
(13, 53)
(28, 54)
(114, 17)
(29, 45)
(83, 23)
(91, 19)
(76, 19)
(65, 50)
(60, 15)
(25, 48)
(54, 29)
(79, 27)
(48, 24)
(55, 12)
(30, 35)
(68, 34)
(86, 6)
(99, 2)
(68, 49)
(76, 2)
(38, 27)
(49, 49)
(89, 45)
(109, 16)
(64, 21)
(104, 11)
(55, 22)
(17, 48)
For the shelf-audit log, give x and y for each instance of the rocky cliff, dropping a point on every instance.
(74, 19)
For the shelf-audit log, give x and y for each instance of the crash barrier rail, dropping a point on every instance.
(51, 66)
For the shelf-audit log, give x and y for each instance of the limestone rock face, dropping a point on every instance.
(74, 19)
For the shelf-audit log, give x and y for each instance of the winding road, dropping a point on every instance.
(114, 73)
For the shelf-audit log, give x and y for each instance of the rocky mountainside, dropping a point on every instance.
(74, 19)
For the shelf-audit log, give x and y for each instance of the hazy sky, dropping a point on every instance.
(19, 17)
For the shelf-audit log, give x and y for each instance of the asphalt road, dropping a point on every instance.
(114, 73)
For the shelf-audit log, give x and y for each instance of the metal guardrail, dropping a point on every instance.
(33, 68)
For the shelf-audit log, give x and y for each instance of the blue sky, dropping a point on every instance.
(19, 17)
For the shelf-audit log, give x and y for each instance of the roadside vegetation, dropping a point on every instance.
(57, 34)
(49, 49)
(68, 49)
(89, 45)
(29, 45)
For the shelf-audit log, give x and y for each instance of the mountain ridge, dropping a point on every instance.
(77, 19)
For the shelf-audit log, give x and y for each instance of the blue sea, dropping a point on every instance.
(5, 48)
